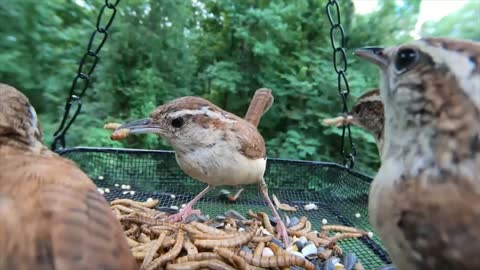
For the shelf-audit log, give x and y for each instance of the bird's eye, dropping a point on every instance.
(405, 58)
(177, 122)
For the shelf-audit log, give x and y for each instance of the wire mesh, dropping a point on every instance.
(340, 194)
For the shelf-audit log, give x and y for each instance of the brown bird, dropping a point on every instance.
(425, 200)
(211, 145)
(52, 214)
(366, 113)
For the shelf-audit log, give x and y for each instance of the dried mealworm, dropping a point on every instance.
(136, 218)
(117, 213)
(139, 255)
(327, 253)
(282, 260)
(283, 206)
(152, 250)
(308, 227)
(341, 236)
(123, 208)
(232, 222)
(143, 238)
(258, 250)
(323, 234)
(310, 236)
(258, 239)
(157, 230)
(147, 204)
(237, 241)
(276, 249)
(192, 229)
(112, 126)
(233, 258)
(207, 229)
(251, 214)
(209, 264)
(341, 228)
(336, 249)
(300, 224)
(120, 134)
(266, 222)
(168, 242)
(133, 231)
(189, 247)
(132, 243)
(198, 257)
(171, 254)
(215, 236)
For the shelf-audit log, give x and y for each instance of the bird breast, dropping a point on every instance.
(221, 164)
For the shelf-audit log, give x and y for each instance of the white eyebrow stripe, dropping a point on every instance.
(204, 110)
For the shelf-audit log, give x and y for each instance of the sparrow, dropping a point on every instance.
(211, 145)
(424, 201)
(366, 113)
(53, 217)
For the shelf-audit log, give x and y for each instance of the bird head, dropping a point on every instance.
(186, 123)
(427, 84)
(18, 119)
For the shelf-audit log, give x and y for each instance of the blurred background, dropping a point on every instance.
(220, 50)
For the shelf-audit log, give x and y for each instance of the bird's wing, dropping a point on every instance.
(66, 222)
(251, 143)
(440, 220)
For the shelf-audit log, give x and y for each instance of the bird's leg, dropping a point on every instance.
(281, 229)
(188, 209)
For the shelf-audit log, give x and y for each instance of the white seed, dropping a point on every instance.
(100, 177)
(125, 192)
(310, 206)
(370, 234)
(267, 252)
(107, 190)
(357, 215)
(132, 192)
(324, 221)
(174, 207)
(123, 187)
(173, 196)
(100, 191)
(127, 186)
(117, 185)
(241, 229)
(149, 199)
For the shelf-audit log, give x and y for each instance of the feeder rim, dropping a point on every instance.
(63, 151)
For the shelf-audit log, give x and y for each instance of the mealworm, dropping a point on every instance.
(238, 240)
(233, 258)
(209, 264)
(112, 126)
(266, 238)
(198, 257)
(283, 206)
(323, 234)
(336, 249)
(138, 255)
(143, 238)
(251, 214)
(123, 208)
(300, 224)
(342, 236)
(327, 253)
(148, 204)
(266, 222)
(134, 230)
(308, 227)
(282, 260)
(152, 250)
(171, 254)
(341, 228)
(189, 247)
(192, 229)
(132, 243)
(214, 236)
(277, 251)
(207, 229)
(258, 250)
(120, 134)
(136, 218)
(310, 236)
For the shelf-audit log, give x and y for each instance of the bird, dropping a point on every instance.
(261, 102)
(53, 216)
(367, 113)
(424, 202)
(211, 145)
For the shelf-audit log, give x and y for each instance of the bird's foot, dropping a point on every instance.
(184, 214)
(282, 232)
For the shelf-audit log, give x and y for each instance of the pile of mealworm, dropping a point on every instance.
(230, 241)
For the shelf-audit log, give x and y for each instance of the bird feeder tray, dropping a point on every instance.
(341, 195)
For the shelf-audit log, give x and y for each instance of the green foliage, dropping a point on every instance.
(219, 50)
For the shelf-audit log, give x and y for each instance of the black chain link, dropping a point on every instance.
(337, 39)
(90, 58)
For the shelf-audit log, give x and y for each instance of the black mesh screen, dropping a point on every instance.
(340, 194)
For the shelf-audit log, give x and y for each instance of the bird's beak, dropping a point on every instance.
(145, 125)
(374, 55)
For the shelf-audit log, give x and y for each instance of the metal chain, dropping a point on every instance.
(90, 58)
(340, 56)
